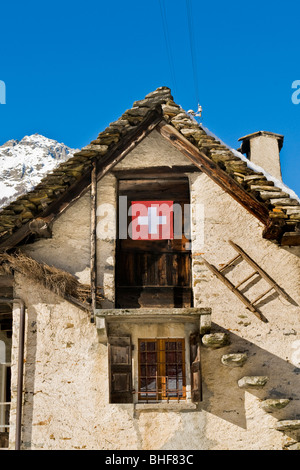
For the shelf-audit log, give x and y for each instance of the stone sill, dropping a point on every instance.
(177, 406)
(155, 313)
(152, 315)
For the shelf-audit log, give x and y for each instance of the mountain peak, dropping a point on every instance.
(24, 163)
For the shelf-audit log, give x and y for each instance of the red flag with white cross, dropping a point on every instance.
(152, 220)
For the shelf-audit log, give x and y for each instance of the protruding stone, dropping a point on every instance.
(288, 425)
(273, 404)
(234, 360)
(254, 382)
(205, 324)
(216, 340)
(295, 446)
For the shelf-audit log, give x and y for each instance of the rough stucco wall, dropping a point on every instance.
(264, 151)
(66, 388)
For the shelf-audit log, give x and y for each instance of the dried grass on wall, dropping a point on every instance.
(54, 279)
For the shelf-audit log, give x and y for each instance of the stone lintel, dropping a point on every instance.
(153, 315)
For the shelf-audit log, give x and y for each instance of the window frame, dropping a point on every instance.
(162, 393)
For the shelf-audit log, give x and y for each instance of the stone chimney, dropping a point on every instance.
(263, 148)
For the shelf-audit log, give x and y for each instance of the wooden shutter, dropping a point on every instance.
(120, 369)
(196, 380)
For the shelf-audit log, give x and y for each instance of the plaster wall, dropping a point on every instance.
(264, 151)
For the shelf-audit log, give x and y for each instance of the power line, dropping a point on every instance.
(193, 52)
(167, 41)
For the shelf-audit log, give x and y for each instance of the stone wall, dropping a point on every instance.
(66, 387)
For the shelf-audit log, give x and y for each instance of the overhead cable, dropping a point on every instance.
(167, 41)
(192, 48)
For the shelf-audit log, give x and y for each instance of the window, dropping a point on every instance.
(4, 403)
(157, 367)
(153, 249)
(161, 369)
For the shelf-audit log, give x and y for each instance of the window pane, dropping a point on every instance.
(161, 369)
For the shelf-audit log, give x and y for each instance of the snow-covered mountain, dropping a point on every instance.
(24, 163)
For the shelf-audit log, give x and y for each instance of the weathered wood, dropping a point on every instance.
(233, 289)
(41, 228)
(93, 256)
(195, 364)
(154, 172)
(6, 281)
(257, 268)
(246, 279)
(274, 229)
(261, 296)
(290, 239)
(219, 176)
(120, 369)
(230, 263)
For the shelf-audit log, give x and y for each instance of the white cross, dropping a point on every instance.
(152, 220)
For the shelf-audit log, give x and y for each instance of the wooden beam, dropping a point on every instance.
(93, 260)
(211, 169)
(174, 171)
(290, 239)
(6, 281)
(40, 228)
(274, 229)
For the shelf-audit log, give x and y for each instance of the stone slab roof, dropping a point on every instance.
(279, 212)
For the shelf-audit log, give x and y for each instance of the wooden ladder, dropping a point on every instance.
(242, 255)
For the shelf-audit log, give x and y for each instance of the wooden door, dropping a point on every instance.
(155, 272)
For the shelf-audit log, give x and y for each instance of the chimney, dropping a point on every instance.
(263, 148)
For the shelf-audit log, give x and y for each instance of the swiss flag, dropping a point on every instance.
(152, 220)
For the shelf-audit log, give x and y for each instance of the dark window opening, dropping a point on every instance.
(155, 272)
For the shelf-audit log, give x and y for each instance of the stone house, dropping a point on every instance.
(150, 291)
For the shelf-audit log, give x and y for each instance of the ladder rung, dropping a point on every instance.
(230, 262)
(247, 279)
(262, 295)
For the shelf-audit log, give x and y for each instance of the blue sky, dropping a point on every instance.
(71, 68)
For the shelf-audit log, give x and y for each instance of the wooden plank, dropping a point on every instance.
(195, 364)
(262, 295)
(263, 274)
(93, 254)
(219, 176)
(5, 309)
(6, 291)
(290, 239)
(120, 369)
(6, 281)
(176, 190)
(142, 269)
(154, 172)
(246, 279)
(233, 289)
(229, 263)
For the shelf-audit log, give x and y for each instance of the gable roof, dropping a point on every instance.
(252, 188)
